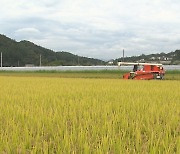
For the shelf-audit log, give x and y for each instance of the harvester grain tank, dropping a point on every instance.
(144, 71)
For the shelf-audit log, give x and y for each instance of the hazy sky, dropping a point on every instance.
(94, 28)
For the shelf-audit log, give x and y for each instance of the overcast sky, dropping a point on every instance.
(94, 28)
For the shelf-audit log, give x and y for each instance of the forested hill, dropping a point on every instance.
(25, 52)
(164, 58)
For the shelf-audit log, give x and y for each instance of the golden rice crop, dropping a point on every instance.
(59, 115)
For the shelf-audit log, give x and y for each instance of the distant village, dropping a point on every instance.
(163, 60)
(172, 58)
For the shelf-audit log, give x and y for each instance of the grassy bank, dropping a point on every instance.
(104, 74)
(172, 75)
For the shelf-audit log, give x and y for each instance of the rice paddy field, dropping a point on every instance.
(52, 114)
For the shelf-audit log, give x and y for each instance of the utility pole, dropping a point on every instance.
(1, 59)
(40, 60)
(123, 55)
(78, 60)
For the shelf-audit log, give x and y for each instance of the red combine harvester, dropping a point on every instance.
(144, 71)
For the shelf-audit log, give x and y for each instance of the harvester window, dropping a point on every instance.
(135, 68)
(141, 68)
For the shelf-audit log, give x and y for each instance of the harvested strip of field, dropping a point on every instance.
(62, 115)
(101, 74)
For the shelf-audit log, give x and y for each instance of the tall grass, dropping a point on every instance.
(61, 115)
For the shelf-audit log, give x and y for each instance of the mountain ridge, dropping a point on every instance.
(26, 52)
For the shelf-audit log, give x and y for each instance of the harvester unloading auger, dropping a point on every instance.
(144, 71)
